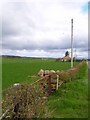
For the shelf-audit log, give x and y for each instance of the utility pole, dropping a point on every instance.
(71, 43)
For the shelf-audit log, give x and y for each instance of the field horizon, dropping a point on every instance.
(19, 70)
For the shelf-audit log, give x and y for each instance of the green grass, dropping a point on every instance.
(71, 100)
(18, 70)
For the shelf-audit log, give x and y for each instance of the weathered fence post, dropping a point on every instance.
(57, 82)
(49, 86)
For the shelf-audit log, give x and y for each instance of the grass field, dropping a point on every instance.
(70, 101)
(19, 70)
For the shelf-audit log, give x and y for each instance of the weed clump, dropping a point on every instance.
(24, 101)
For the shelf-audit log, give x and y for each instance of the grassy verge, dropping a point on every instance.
(71, 100)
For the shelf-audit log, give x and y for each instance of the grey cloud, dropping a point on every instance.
(8, 29)
(82, 49)
(16, 20)
(20, 24)
(30, 44)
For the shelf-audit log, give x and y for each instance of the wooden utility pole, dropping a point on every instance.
(71, 43)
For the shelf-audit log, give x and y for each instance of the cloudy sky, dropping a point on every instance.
(42, 28)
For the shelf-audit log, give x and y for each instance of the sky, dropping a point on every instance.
(42, 28)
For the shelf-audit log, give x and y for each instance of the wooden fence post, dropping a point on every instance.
(57, 82)
(49, 86)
